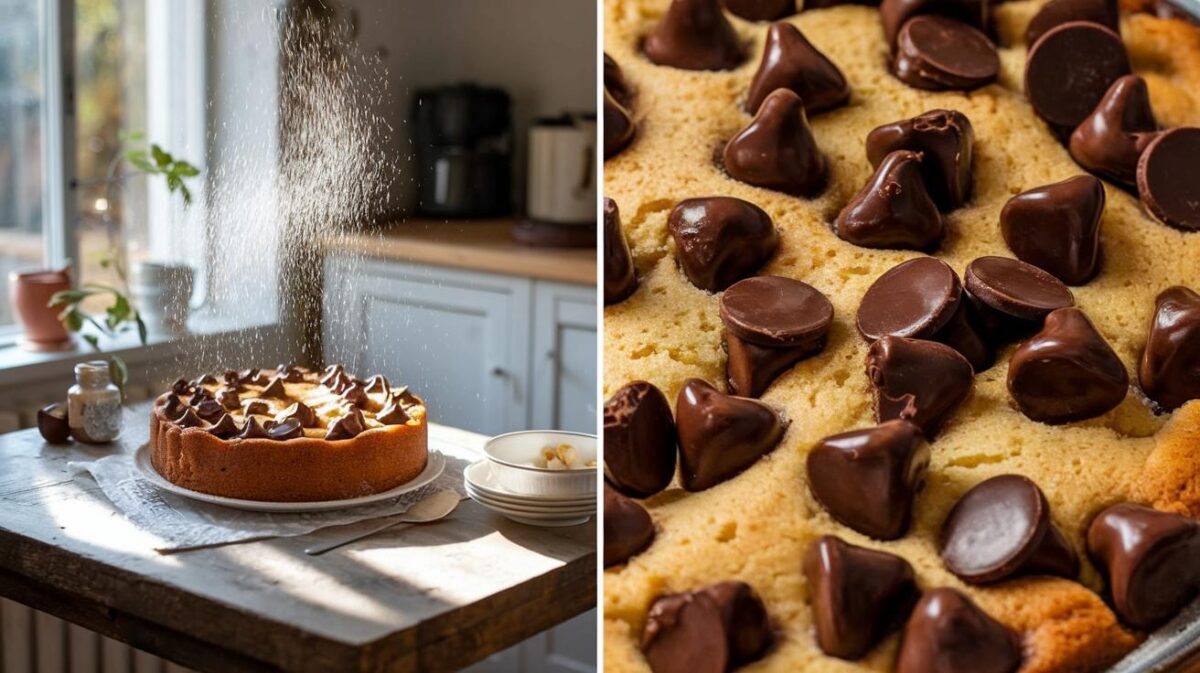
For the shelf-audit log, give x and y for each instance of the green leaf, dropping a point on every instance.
(119, 372)
(141, 327)
(105, 262)
(186, 193)
(185, 169)
(161, 157)
(129, 136)
(173, 182)
(120, 310)
(93, 340)
(72, 320)
(65, 297)
(143, 164)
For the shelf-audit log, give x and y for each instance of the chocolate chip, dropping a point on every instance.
(893, 210)
(406, 397)
(356, 394)
(937, 54)
(620, 276)
(619, 128)
(1150, 558)
(614, 82)
(378, 384)
(393, 413)
(791, 62)
(628, 529)
(771, 324)
(916, 298)
(348, 426)
(172, 406)
(299, 411)
(721, 435)
(1001, 528)
(1167, 180)
(232, 379)
(947, 633)
(229, 399)
(896, 13)
(1169, 372)
(210, 410)
(639, 440)
(253, 430)
(945, 138)
(289, 374)
(761, 10)
(694, 35)
(1069, 69)
(201, 395)
(1066, 372)
(1111, 139)
(858, 595)
(777, 149)
(285, 429)
(714, 629)
(825, 4)
(181, 387)
(205, 380)
(225, 428)
(331, 375)
(188, 419)
(1058, 12)
(275, 389)
(920, 381)
(720, 240)
(254, 377)
(1057, 227)
(1013, 297)
(259, 407)
(866, 479)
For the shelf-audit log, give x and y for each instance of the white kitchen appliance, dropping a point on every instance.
(560, 201)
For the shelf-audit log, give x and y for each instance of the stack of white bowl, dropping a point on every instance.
(509, 481)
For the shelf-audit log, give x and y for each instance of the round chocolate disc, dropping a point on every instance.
(913, 299)
(1167, 179)
(775, 311)
(994, 528)
(1070, 68)
(935, 52)
(1016, 288)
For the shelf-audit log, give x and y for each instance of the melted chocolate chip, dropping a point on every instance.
(356, 394)
(229, 399)
(1167, 180)
(866, 479)
(772, 323)
(1057, 227)
(893, 210)
(205, 380)
(721, 435)
(717, 628)
(188, 419)
(406, 397)
(1066, 372)
(614, 82)
(259, 407)
(201, 395)
(285, 429)
(920, 381)
(628, 529)
(1001, 528)
(916, 299)
(275, 389)
(254, 377)
(777, 149)
(210, 410)
(694, 35)
(1070, 68)
(378, 384)
(947, 633)
(1111, 139)
(289, 374)
(761, 10)
(896, 13)
(720, 240)
(1169, 372)
(225, 428)
(349, 426)
(181, 387)
(937, 54)
(299, 411)
(232, 379)
(331, 375)
(858, 595)
(172, 406)
(791, 62)
(620, 275)
(945, 138)
(253, 430)
(619, 128)
(639, 440)
(1058, 12)
(1013, 297)
(393, 414)
(824, 4)
(1150, 558)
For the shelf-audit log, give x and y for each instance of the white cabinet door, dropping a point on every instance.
(459, 338)
(564, 357)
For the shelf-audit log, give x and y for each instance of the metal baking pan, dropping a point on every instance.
(1173, 648)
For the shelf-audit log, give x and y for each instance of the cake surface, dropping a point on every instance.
(289, 435)
(756, 527)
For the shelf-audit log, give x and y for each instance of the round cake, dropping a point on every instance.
(288, 435)
(902, 338)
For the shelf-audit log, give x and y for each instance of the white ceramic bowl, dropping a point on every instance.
(512, 456)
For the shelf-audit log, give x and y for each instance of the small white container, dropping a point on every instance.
(512, 457)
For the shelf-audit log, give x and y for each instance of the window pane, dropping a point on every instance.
(20, 143)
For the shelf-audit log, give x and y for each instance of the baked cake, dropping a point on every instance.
(288, 435)
(902, 338)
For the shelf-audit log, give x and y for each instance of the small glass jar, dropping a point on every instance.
(94, 404)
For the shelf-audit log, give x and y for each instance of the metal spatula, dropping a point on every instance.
(430, 508)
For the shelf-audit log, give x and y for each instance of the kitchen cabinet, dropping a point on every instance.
(489, 352)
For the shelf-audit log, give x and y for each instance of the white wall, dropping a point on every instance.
(543, 52)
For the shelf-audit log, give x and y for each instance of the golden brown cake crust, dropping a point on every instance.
(756, 526)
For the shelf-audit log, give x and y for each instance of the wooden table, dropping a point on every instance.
(427, 598)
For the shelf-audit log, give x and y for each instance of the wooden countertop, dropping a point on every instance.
(422, 598)
(479, 245)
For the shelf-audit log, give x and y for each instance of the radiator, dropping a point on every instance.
(35, 642)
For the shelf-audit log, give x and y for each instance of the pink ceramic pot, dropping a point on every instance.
(30, 292)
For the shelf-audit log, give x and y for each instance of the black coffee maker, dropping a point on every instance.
(464, 150)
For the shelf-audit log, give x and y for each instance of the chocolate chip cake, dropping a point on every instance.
(902, 337)
(288, 435)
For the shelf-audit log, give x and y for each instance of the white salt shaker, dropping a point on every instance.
(94, 404)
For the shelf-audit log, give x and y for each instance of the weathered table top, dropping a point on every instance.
(425, 598)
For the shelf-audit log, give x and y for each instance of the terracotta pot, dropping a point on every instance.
(29, 293)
